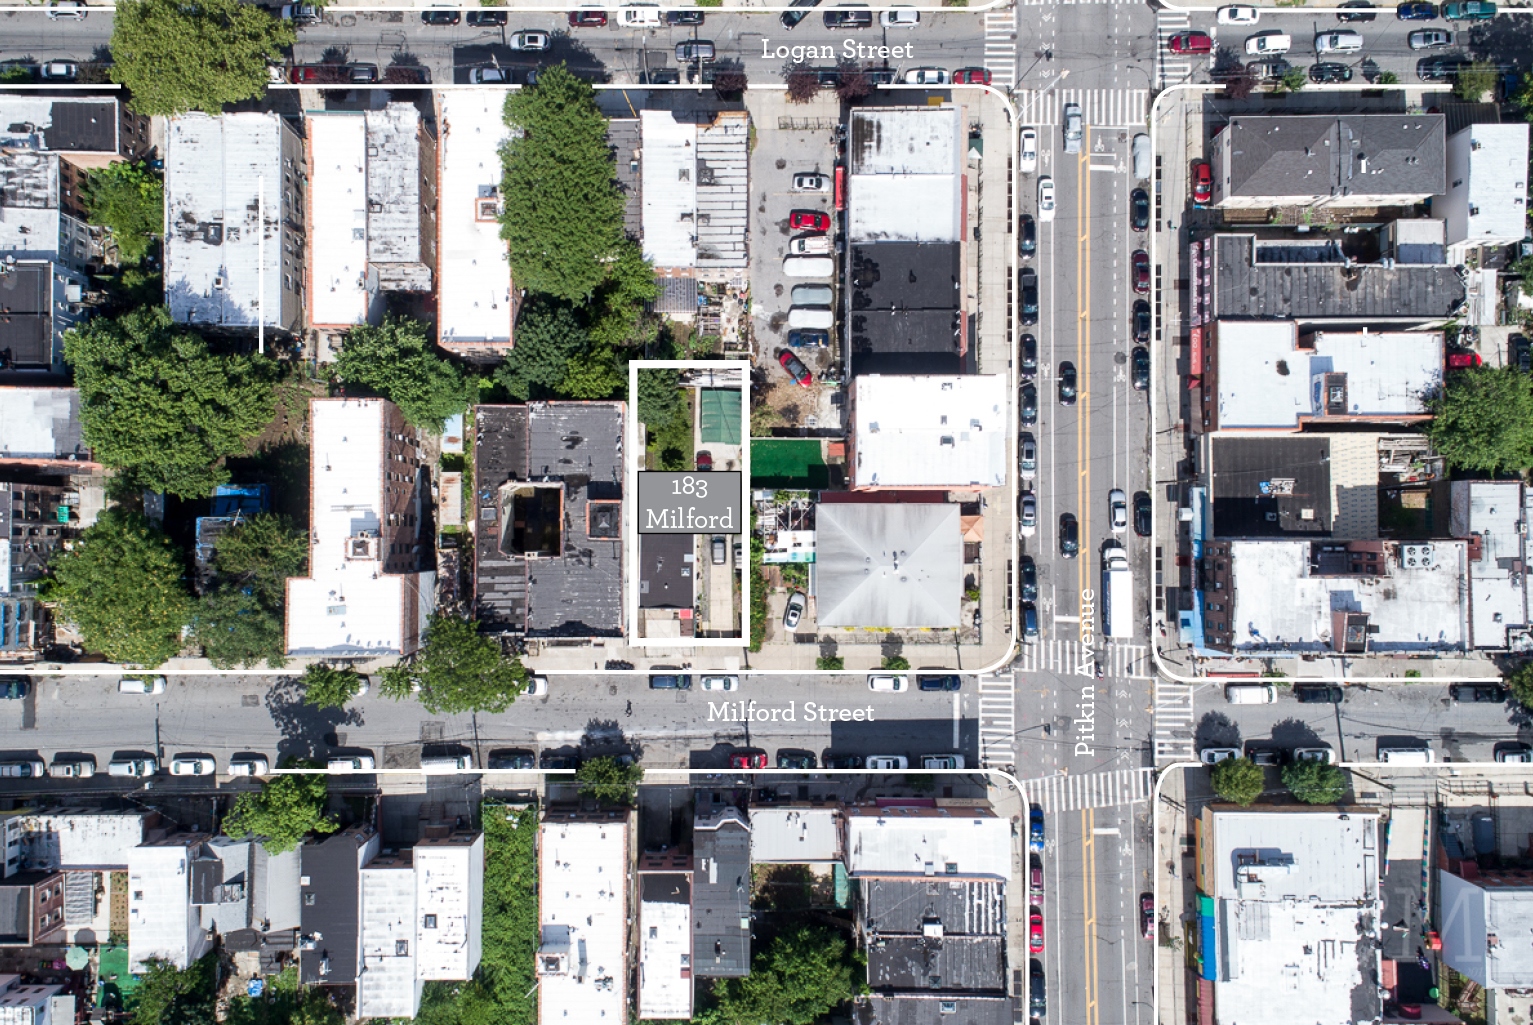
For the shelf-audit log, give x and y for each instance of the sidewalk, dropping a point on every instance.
(1176, 898)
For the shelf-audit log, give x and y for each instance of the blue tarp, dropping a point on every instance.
(1208, 944)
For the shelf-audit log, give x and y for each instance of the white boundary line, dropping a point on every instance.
(609, 7)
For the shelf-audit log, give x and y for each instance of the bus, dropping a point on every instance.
(1117, 593)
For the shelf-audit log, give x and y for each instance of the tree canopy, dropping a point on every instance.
(563, 215)
(397, 360)
(158, 405)
(549, 336)
(1482, 419)
(240, 617)
(328, 687)
(166, 995)
(1475, 81)
(175, 57)
(1239, 780)
(287, 809)
(457, 669)
(129, 202)
(1315, 782)
(122, 586)
(608, 781)
(1520, 682)
(800, 976)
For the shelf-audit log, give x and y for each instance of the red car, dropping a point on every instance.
(1035, 932)
(795, 368)
(971, 76)
(1190, 42)
(808, 220)
(587, 19)
(1147, 914)
(1035, 886)
(705, 460)
(1463, 359)
(1202, 183)
(1141, 271)
(748, 760)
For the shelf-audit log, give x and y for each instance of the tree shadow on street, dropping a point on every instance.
(604, 738)
(1292, 733)
(1217, 730)
(307, 731)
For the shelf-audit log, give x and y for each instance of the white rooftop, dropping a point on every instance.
(162, 923)
(449, 883)
(1295, 894)
(1498, 598)
(1266, 382)
(905, 175)
(387, 984)
(929, 432)
(888, 564)
(1484, 925)
(474, 291)
(40, 423)
(795, 835)
(927, 841)
(1497, 180)
(345, 604)
(669, 189)
(338, 198)
(583, 919)
(80, 840)
(393, 184)
(29, 204)
(1278, 606)
(665, 951)
(219, 171)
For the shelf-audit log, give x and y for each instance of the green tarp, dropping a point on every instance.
(719, 415)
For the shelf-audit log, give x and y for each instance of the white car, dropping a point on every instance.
(141, 685)
(73, 768)
(1029, 156)
(251, 765)
(1029, 515)
(1045, 198)
(1312, 754)
(900, 17)
(192, 765)
(1271, 41)
(1117, 510)
(537, 687)
(60, 71)
(811, 181)
(66, 10)
(926, 76)
(798, 603)
(531, 42)
(721, 683)
(888, 684)
(1339, 41)
(942, 761)
(27, 769)
(1029, 457)
(1239, 14)
(137, 768)
(1215, 755)
(350, 763)
(885, 763)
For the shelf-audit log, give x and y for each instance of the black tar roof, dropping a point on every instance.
(964, 906)
(721, 898)
(933, 1009)
(942, 962)
(26, 318)
(666, 579)
(904, 303)
(1239, 467)
(83, 126)
(329, 907)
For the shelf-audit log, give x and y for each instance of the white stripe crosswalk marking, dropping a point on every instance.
(1119, 661)
(1174, 68)
(1100, 108)
(1173, 721)
(1110, 789)
(997, 720)
(1001, 47)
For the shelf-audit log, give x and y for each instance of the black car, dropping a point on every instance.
(440, 17)
(1067, 383)
(563, 763)
(683, 17)
(1027, 236)
(1416, 11)
(1069, 536)
(790, 19)
(1318, 693)
(1356, 11)
(1487, 693)
(487, 19)
(795, 760)
(1139, 363)
(1029, 578)
(1522, 353)
(942, 681)
(808, 339)
(835, 761)
(1029, 355)
(1139, 210)
(847, 17)
(1142, 322)
(513, 760)
(1329, 72)
(1037, 998)
(670, 681)
(13, 687)
(1142, 513)
(828, 77)
(1029, 297)
(1440, 69)
(1028, 404)
(882, 76)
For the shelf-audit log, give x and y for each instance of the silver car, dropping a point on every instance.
(1117, 509)
(528, 41)
(1029, 457)
(797, 603)
(1074, 130)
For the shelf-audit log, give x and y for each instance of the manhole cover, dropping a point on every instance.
(250, 700)
(433, 732)
(612, 689)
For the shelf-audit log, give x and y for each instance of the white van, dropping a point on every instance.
(809, 267)
(456, 763)
(1250, 693)
(889, 684)
(639, 16)
(1338, 41)
(812, 295)
(819, 317)
(1142, 164)
(137, 767)
(1407, 755)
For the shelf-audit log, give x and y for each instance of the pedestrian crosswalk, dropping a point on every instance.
(1174, 68)
(1119, 661)
(998, 720)
(1090, 789)
(1100, 108)
(1001, 47)
(1173, 721)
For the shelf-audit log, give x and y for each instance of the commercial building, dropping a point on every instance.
(929, 1009)
(372, 203)
(796, 834)
(957, 841)
(695, 193)
(475, 306)
(76, 839)
(1329, 160)
(234, 221)
(40, 428)
(935, 934)
(928, 433)
(1281, 597)
(904, 314)
(163, 923)
(888, 565)
(583, 917)
(1270, 376)
(372, 581)
(331, 888)
(905, 180)
(548, 494)
(1492, 516)
(721, 893)
(1486, 199)
(1482, 917)
(1290, 914)
(40, 300)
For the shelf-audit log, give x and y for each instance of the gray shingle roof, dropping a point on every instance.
(1328, 155)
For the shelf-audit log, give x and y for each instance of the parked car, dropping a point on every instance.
(1342, 40)
(719, 551)
(684, 17)
(1029, 304)
(1069, 536)
(1356, 11)
(1035, 828)
(1483, 693)
(537, 686)
(1027, 456)
(669, 680)
(793, 759)
(587, 17)
(1029, 365)
(1190, 42)
(798, 603)
(192, 765)
(489, 76)
(694, 50)
(939, 681)
(1215, 755)
(748, 759)
(1117, 510)
(14, 688)
(59, 71)
(849, 16)
(1139, 368)
(1141, 265)
(887, 763)
(888, 683)
(1035, 931)
(809, 339)
(1268, 70)
(1429, 39)
(811, 295)
(1029, 622)
(840, 761)
(790, 19)
(1139, 210)
(1142, 522)
(1270, 41)
(1329, 72)
(1264, 756)
(954, 761)
(513, 759)
(1321, 693)
(361, 74)
(1513, 751)
(1029, 575)
(926, 76)
(1416, 11)
(1321, 754)
(1028, 514)
(141, 685)
(1469, 10)
(136, 768)
(565, 762)
(487, 18)
(900, 17)
(528, 41)
(1027, 236)
(971, 76)
(1037, 996)
(440, 16)
(1202, 183)
(1141, 318)
(1027, 404)
(1045, 198)
(1238, 14)
(808, 220)
(249, 765)
(300, 14)
(795, 368)
(1441, 69)
(1067, 389)
(82, 767)
(67, 10)
(1147, 915)
(1028, 155)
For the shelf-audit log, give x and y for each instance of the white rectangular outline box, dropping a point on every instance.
(631, 487)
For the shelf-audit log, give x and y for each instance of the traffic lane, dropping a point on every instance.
(25, 36)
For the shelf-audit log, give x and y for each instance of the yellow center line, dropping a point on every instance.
(1096, 1010)
(1083, 359)
(1088, 914)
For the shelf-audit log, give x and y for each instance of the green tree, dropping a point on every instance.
(236, 628)
(1315, 782)
(122, 586)
(548, 337)
(1522, 97)
(1520, 682)
(166, 995)
(288, 808)
(563, 213)
(456, 670)
(175, 57)
(328, 687)
(240, 617)
(395, 360)
(619, 316)
(259, 554)
(1475, 81)
(1387, 78)
(895, 662)
(159, 406)
(129, 202)
(1522, 269)
(1237, 779)
(1293, 80)
(607, 780)
(799, 978)
(1482, 419)
(659, 399)
(830, 662)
